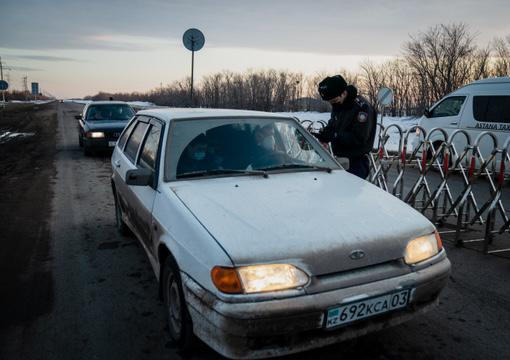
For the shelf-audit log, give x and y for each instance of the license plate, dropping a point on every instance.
(350, 312)
(111, 143)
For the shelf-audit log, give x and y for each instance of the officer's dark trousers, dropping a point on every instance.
(359, 166)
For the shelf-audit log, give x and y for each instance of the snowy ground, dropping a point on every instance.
(138, 104)
(317, 117)
(39, 102)
(391, 145)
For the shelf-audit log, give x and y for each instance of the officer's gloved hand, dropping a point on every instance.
(318, 135)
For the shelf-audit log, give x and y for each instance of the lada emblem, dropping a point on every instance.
(357, 254)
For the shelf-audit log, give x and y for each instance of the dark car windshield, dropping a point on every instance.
(244, 146)
(120, 112)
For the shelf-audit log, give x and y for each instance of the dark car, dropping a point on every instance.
(101, 123)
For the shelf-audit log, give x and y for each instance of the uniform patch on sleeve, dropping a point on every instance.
(362, 117)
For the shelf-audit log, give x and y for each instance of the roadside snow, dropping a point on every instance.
(8, 135)
(139, 104)
(38, 102)
(391, 145)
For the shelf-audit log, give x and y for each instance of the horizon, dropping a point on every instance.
(75, 49)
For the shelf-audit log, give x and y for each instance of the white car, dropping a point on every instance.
(262, 244)
(483, 105)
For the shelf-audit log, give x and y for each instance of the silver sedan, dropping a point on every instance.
(262, 243)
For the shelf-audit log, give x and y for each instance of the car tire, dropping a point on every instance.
(121, 226)
(80, 140)
(87, 151)
(180, 325)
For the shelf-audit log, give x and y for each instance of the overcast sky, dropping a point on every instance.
(76, 48)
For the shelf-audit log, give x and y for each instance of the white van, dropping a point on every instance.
(483, 105)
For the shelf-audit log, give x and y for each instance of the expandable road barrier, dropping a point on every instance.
(446, 164)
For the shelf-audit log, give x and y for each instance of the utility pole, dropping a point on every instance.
(25, 86)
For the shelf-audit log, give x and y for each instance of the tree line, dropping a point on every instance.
(432, 64)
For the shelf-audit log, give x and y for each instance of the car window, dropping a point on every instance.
(110, 112)
(208, 147)
(448, 107)
(492, 109)
(134, 140)
(125, 134)
(150, 148)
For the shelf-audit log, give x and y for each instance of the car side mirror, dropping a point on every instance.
(344, 162)
(77, 117)
(139, 177)
(426, 113)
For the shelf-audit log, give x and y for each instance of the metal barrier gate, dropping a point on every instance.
(437, 167)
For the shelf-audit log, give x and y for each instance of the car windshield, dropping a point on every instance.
(244, 146)
(120, 112)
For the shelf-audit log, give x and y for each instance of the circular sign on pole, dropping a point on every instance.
(385, 96)
(3, 85)
(193, 39)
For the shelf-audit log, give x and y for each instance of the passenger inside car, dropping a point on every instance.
(197, 156)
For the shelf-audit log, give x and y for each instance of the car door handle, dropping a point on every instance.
(454, 123)
(117, 163)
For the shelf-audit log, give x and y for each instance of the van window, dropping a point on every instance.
(492, 109)
(448, 107)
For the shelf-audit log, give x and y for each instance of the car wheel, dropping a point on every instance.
(80, 140)
(87, 151)
(179, 320)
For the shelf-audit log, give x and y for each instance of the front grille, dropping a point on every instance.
(359, 276)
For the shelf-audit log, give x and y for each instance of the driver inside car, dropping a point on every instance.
(266, 152)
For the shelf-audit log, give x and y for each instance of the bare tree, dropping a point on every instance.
(440, 58)
(501, 66)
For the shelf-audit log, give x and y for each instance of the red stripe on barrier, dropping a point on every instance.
(446, 161)
(403, 155)
(423, 160)
(472, 167)
(501, 177)
(381, 152)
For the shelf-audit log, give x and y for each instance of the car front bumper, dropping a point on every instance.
(251, 330)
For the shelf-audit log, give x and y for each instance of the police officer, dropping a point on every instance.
(351, 129)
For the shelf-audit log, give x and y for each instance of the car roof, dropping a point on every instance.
(489, 84)
(168, 114)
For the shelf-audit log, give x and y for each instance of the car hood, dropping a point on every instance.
(107, 125)
(314, 220)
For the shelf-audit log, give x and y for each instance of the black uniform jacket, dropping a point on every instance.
(351, 129)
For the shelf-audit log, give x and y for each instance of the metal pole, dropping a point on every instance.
(192, 69)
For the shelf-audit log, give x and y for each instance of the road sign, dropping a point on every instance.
(35, 88)
(193, 39)
(4, 85)
(385, 96)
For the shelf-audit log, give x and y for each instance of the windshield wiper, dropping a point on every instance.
(297, 166)
(220, 172)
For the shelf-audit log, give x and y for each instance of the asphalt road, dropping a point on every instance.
(104, 302)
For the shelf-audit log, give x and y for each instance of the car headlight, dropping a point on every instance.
(422, 248)
(258, 278)
(95, 134)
